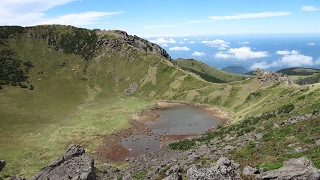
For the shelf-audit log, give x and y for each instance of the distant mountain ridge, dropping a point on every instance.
(235, 69)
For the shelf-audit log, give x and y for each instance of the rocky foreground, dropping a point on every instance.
(78, 165)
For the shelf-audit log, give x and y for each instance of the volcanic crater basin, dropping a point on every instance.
(169, 121)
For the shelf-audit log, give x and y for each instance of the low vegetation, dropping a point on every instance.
(78, 95)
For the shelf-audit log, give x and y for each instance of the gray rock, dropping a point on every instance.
(192, 157)
(175, 176)
(249, 170)
(173, 169)
(294, 169)
(75, 164)
(228, 148)
(258, 136)
(16, 178)
(132, 88)
(2, 164)
(127, 177)
(299, 149)
(223, 170)
(318, 142)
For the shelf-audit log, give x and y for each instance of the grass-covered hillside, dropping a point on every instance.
(83, 84)
(303, 75)
(207, 72)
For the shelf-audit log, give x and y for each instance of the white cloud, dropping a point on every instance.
(309, 8)
(264, 65)
(297, 60)
(245, 42)
(286, 52)
(165, 45)
(242, 53)
(177, 48)
(250, 15)
(311, 44)
(218, 43)
(222, 55)
(289, 59)
(181, 42)
(32, 12)
(185, 39)
(162, 40)
(192, 42)
(196, 53)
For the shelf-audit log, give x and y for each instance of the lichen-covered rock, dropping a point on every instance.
(294, 169)
(75, 164)
(223, 170)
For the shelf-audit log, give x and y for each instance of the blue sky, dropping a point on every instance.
(169, 17)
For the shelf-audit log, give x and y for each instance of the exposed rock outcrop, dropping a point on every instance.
(135, 41)
(294, 169)
(272, 77)
(2, 164)
(223, 170)
(75, 164)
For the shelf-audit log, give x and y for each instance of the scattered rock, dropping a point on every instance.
(228, 148)
(300, 168)
(16, 178)
(2, 164)
(192, 157)
(173, 169)
(127, 177)
(249, 170)
(258, 136)
(299, 149)
(318, 142)
(223, 170)
(75, 164)
(175, 176)
(296, 119)
(132, 88)
(276, 126)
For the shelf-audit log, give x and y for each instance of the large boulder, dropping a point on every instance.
(2, 164)
(75, 164)
(223, 170)
(294, 169)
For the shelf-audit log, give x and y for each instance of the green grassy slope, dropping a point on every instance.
(77, 99)
(208, 73)
(302, 75)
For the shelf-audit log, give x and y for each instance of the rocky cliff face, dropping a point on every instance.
(134, 41)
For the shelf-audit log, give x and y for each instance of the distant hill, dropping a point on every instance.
(301, 75)
(207, 72)
(235, 69)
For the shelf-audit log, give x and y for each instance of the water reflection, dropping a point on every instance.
(177, 120)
